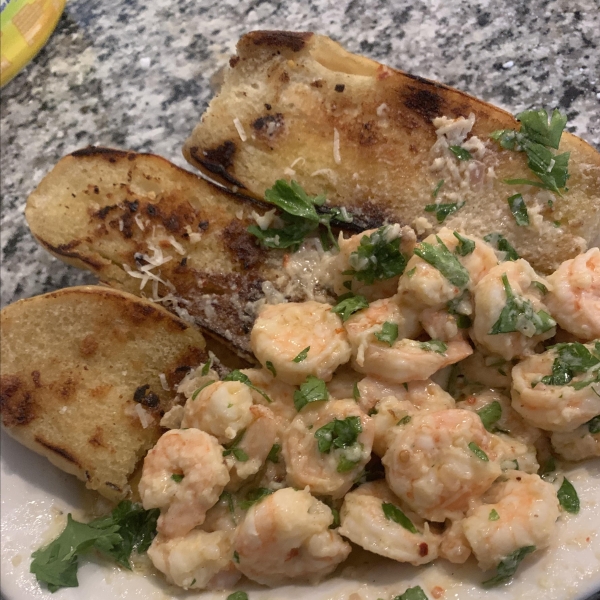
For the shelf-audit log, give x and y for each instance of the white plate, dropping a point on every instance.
(36, 497)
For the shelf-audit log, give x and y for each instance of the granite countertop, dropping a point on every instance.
(138, 76)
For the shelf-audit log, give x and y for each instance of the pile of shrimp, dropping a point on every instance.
(417, 445)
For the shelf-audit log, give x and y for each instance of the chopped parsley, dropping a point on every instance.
(493, 516)
(594, 425)
(444, 261)
(236, 559)
(434, 346)
(536, 137)
(198, 390)
(312, 389)
(206, 367)
(237, 595)
(572, 359)
(519, 210)
(254, 496)
(460, 152)
(478, 452)
(336, 518)
(348, 304)
(355, 392)
(271, 368)
(437, 188)
(126, 529)
(465, 245)
(339, 433)
(518, 314)
(345, 464)
(540, 286)
(298, 211)
(177, 477)
(388, 333)
(232, 448)
(413, 593)
(393, 513)
(377, 257)
(443, 211)
(404, 420)
(462, 321)
(302, 356)
(227, 497)
(236, 375)
(490, 414)
(508, 566)
(273, 455)
(567, 497)
(501, 244)
(547, 470)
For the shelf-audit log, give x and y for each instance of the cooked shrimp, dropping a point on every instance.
(553, 407)
(224, 515)
(425, 285)
(507, 299)
(409, 360)
(489, 371)
(364, 522)
(578, 444)
(574, 296)
(454, 546)
(439, 324)
(343, 262)
(183, 475)
(363, 325)
(197, 561)
(440, 461)
(286, 537)
(282, 331)
(333, 471)
(526, 509)
(221, 409)
(343, 382)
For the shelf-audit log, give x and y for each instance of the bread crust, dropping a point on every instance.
(78, 367)
(291, 101)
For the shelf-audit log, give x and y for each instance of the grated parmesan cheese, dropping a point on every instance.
(382, 110)
(297, 160)
(121, 225)
(336, 146)
(145, 418)
(240, 129)
(264, 221)
(178, 247)
(163, 381)
(138, 221)
(289, 172)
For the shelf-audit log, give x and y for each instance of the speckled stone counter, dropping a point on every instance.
(137, 75)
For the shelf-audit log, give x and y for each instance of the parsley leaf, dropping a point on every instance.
(228, 498)
(404, 420)
(490, 414)
(177, 477)
(206, 367)
(344, 464)
(518, 314)
(443, 211)
(519, 210)
(540, 286)
(478, 452)
(339, 433)
(508, 567)
(460, 152)
(237, 595)
(567, 497)
(572, 358)
(302, 356)
(434, 346)
(129, 527)
(271, 368)
(534, 124)
(312, 390)
(273, 455)
(377, 257)
(349, 304)
(594, 425)
(198, 390)
(393, 513)
(232, 448)
(502, 244)
(465, 245)
(493, 516)
(355, 392)
(388, 333)
(413, 593)
(255, 496)
(437, 188)
(444, 261)
(547, 469)
(237, 375)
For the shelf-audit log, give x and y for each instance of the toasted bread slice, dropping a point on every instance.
(145, 226)
(297, 105)
(83, 377)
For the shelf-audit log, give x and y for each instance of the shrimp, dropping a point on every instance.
(553, 407)
(439, 324)
(454, 546)
(343, 383)
(525, 512)
(345, 262)
(363, 326)
(183, 475)
(409, 360)
(286, 537)
(328, 468)
(579, 444)
(221, 409)
(283, 331)
(574, 296)
(197, 561)
(364, 522)
(488, 371)
(426, 286)
(439, 461)
(510, 318)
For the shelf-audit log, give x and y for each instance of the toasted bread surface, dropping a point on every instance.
(81, 379)
(145, 226)
(298, 106)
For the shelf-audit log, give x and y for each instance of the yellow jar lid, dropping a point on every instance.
(25, 26)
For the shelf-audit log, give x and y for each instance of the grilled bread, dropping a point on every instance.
(297, 105)
(84, 372)
(145, 226)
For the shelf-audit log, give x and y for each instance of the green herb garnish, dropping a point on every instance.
(493, 516)
(302, 356)
(444, 261)
(348, 304)
(478, 452)
(236, 375)
(572, 359)
(339, 433)
(345, 465)
(540, 286)
(502, 245)
(355, 392)
(393, 513)
(388, 333)
(237, 595)
(460, 153)
(413, 593)
(312, 390)
(177, 477)
(567, 497)
(437, 188)
(465, 245)
(594, 425)
(273, 455)
(336, 518)
(490, 414)
(228, 498)
(232, 448)
(255, 496)
(271, 368)
(404, 420)
(206, 367)
(519, 210)
(198, 390)
(434, 346)
(508, 567)
(443, 211)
